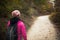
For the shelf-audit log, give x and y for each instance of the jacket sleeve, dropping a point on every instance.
(24, 31)
(8, 23)
(22, 27)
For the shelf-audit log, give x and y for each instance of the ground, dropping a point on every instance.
(43, 29)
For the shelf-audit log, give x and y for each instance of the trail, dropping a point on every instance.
(42, 29)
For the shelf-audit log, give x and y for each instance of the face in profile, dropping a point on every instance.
(16, 13)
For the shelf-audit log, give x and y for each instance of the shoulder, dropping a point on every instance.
(20, 23)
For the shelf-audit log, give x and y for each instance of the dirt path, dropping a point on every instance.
(42, 29)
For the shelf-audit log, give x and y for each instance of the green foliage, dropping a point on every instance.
(55, 17)
(39, 2)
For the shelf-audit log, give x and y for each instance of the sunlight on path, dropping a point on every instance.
(52, 1)
(42, 29)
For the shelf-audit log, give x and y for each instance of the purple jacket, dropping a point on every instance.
(20, 26)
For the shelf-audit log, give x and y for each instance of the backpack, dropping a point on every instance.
(12, 32)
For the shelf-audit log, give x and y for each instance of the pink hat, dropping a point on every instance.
(16, 13)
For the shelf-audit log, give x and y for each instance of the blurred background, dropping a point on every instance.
(30, 9)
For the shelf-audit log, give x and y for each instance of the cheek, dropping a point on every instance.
(14, 15)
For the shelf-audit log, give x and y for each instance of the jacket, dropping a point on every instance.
(20, 26)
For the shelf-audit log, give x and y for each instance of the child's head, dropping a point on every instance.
(16, 13)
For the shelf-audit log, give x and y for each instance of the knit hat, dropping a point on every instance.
(16, 13)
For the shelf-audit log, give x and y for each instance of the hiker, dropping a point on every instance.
(20, 29)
